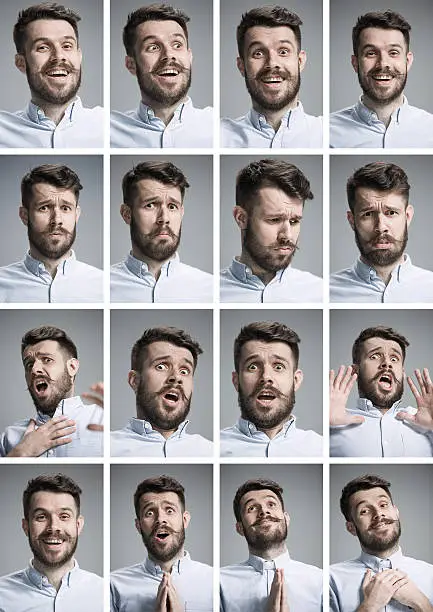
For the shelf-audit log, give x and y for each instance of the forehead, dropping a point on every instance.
(380, 37)
(265, 350)
(45, 191)
(159, 499)
(51, 347)
(273, 200)
(50, 500)
(263, 35)
(258, 496)
(151, 188)
(164, 29)
(54, 29)
(367, 497)
(161, 349)
(367, 197)
(387, 345)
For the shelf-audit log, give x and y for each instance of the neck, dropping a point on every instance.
(384, 272)
(270, 553)
(247, 260)
(273, 431)
(274, 117)
(51, 265)
(55, 112)
(163, 112)
(153, 266)
(166, 566)
(164, 432)
(54, 575)
(382, 554)
(383, 111)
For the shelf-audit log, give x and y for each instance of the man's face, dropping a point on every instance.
(155, 219)
(51, 219)
(162, 523)
(161, 62)
(164, 385)
(375, 520)
(51, 61)
(53, 528)
(380, 223)
(266, 383)
(382, 64)
(271, 67)
(49, 374)
(263, 521)
(271, 228)
(381, 372)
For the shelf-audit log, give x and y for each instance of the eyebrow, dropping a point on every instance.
(261, 43)
(151, 504)
(380, 348)
(156, 37)
(369, 207)
(364, 501)
(390, 45)
(169, 358)
(48, 39)
(252, 499)
(42, 509)
(38, 354)
(274, 356)
(152, 199)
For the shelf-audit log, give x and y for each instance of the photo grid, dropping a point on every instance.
(215, 306)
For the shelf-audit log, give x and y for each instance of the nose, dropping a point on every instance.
(163, 216)
(382, 59)
(58, 52)
(54, 523)
(273, 59)
(175, 377)
(386, 362)
(263, 511)
(37, 367)
(381, 224)
(56, 216)
(267, 373)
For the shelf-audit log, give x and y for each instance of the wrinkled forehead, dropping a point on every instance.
(155, 29)
(389, 346)
(51, 501)
(270, 199)
(258, 496)
(153, 499)
(267, 36)
(367, 496)
(366, 197)
(265, 350)
(151, 189)
(49, 29)
(380, 38)
(162, 349)
(48, 347)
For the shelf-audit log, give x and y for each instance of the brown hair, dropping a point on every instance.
(257, 484)
(56, 175)
(164, 172)
(362, 483)
(267, 331)
(47, 332)
(46, 10)
(55, 483)
(378, 175)
(269, 17)
(175, 336)
(386, 20)
(158, 484)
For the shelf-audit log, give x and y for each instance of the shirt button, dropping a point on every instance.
(50, 453)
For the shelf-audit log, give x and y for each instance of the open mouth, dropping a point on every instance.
(57, 73)
(266, 397)
(385, 381)
(172, 396)
(168, 72)
(41, 386)
(161, 536)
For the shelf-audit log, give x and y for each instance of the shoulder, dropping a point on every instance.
(345, 114)
(130, 572)
(90, 577)
(195, 273)
(11, 270)
(84, 268)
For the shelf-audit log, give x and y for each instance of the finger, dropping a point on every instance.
(427, 378)
(95, 399)
(346, 378)
(404, 416)
(61, 425)
(94, 427)
(367, 578)
(98, 387)
(339, 377)
(420, 381)
(60, 442)
(413, 388)
(350, 382)
(353, 419)
(30, 427)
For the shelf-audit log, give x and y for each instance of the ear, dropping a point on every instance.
(20, 62)
(409, 60)
(182, 210)
(80, 524)
(302, 60)
(298, 377)
(351, 528)
(23, 214)
(351, 219)
(397, 511)
(186, 519)
(235, 380)
(25, 526)
(126, 213)
(241, 217)
(130, 64)
(72, 366)
(355, 368)
(287, 517)
(77, 212)
(409, 213)
(354, 62)
(240, 528)
(241, 66)
(190, 55)
(137, 525)
(133, 380)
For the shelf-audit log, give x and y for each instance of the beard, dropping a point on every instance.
(379, 397)
(266, 418)
(382, 257)
(163, 553)
(44, 557)
(375, 543)
(52, 247)
(376, 94)
(59, 389)
(266, 257)
(150, 408)
(44, 91)
(273, 534)
(149, 247)
(273, 101)
(155, 92)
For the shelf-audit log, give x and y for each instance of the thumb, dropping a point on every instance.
(354, 419)
(367, 578)
(30, 427)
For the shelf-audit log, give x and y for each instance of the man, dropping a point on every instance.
(49, 272)
(382, 118)
(269, 581)
(158, 55)
(380, 214)
(271, 61)
(48, 53)
(270, 196)
(60, 427)
(163, 363)
(266, 377)
(153, 194)
(52, 523)
(381, 578)
(379, 426)
(168, 580)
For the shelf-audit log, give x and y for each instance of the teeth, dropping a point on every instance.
(273, 80)
(53, 541)
(169, 72)
(57, 73)
(382, 77)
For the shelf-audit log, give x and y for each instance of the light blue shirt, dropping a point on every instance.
(131, 281)
(359, 127)
(139, 439)
(79, 128)
(84, 443)
(245, 587)
(134, 589)
(30, 591)
(289, 285)
(189, 127)
(29, 281)
(346, 579)
(297, 130)
(380, 435)
(245, 440)
(361, 283)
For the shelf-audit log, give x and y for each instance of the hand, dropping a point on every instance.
(424, 401)
(51, 434)
(410, 595)
(96, 397)
(277, 600)
(380, 588)
(167, 599)
(340, 387)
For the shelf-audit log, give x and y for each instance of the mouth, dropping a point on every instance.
(168, 72)
(161, 536)
(382, 526)
(266, 397)
(172, 397)
(41, 387)
(386, 381)
(52, 543)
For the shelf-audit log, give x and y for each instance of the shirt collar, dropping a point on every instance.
(144, 428)
(141, 269)
(369, 274)
(69, 406)
(37, 267)
(177, 568)
(366, 405)
(37, 115)
(261, 565)
(147, 115)
(41, 581)
(249, 429)
(259, 120)
(369, 117)
(377, 564)
(244, 274)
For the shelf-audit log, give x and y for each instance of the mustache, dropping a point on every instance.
(386, 71)
(266, 518)
(263, 387)
(387, 373)
(384, 238)
(158, 230)
(178, 388)
(384, 522)
(163, 65)
(50, 65)
(267, 72)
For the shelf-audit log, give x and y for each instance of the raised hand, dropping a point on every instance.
(167, 599)
(51, 434)
(340, 386)
(379, 589)
(96, 396)
(424, 400)
(277, 600)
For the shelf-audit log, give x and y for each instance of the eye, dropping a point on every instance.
(149, 205)
(42, 48)
(295, 221)
(68, 46)
(184, 371)
(257, 53)
(279, 367)
(47, 360)
(370, 53)
(284, 51)
(272, 504)
(172, 206)
(274, 220)
(170, 511)
(148, 513)
(65, 516)
(161, 367)
(375, 356)
(394, 53)
(252, 367)
(39, 517)
(42, 208)
(251, 508)
(66, 208)
(152, 47)
(391, 213)
(178, 45)
(395, 358)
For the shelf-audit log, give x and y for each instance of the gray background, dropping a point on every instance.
(302, 496)
(125, 93)
(419, 169)
(308, 325)
(344, 86)
(14, 242)
(85, 329)
(235, 99)
(412, 493)
(309, 257)
(196, 243)
(13, 481)
(16, 94)
(416, 326)
(126, 327)
(127, 546)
